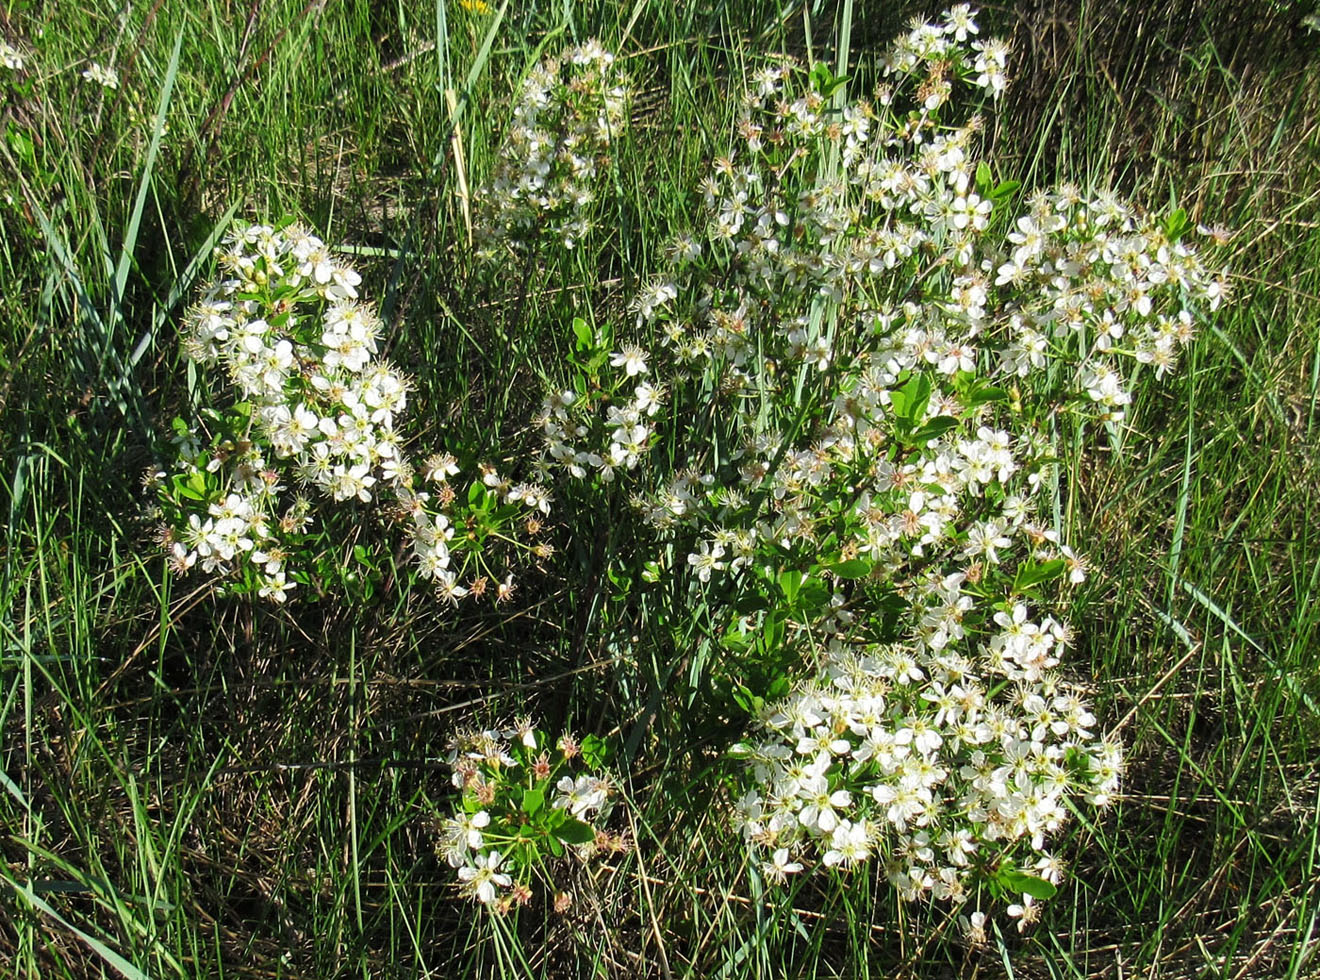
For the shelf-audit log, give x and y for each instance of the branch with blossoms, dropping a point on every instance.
(527, 804)
(569, 111)
(308, 405)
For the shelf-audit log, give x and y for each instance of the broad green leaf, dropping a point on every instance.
(790, 581)
(772, 631)
(575, 832)
(594, 751)
(183, 487)
(909, 402)
(583, 335)
(813, 595)
(983, 396)
(1018, 881)
(933, 429)
(735, 640)
(1031, 574)
(532, 801)
(745, 699)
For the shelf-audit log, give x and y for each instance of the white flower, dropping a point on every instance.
(655, 294)
(480, 878)
(10, 56)
(779, 867)
(275, 587)
(105, 77)
(849, 845)
(973, 928)
(1026, 913)
(580, 795)
(448, 587)
(707, 560)
(632, 359)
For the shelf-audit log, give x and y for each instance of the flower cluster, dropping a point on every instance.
(1096, 283)
(310, 404)
(98, 74)
(862, 362)
(938, 55)
(847, 335)
(604, 425)
(951, 771)
(10, 56)
(569, 112)
(525, 803)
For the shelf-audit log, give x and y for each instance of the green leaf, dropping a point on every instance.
(910, 401)
(933, 429)
(556, 848)
(983, 177)
(22, 146)
(575, 832)
(584, 336)
(621, 581)
(532, 801)
(813, 595)
(1031, 574)
(790, 581)
(853, 568)
(734, 640)
(1018, 881)
(825, 81)
(594, 751)
(1004, 188)
(983, 396)
(745, 699)
(183, 487)
(1176, 224)
(772, 631)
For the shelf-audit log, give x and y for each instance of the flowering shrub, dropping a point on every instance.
(858, 365)
(568, 113)
(525, 804)
(863, 366)
(309, 403)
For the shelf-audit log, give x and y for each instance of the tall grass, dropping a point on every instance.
(194, 787)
